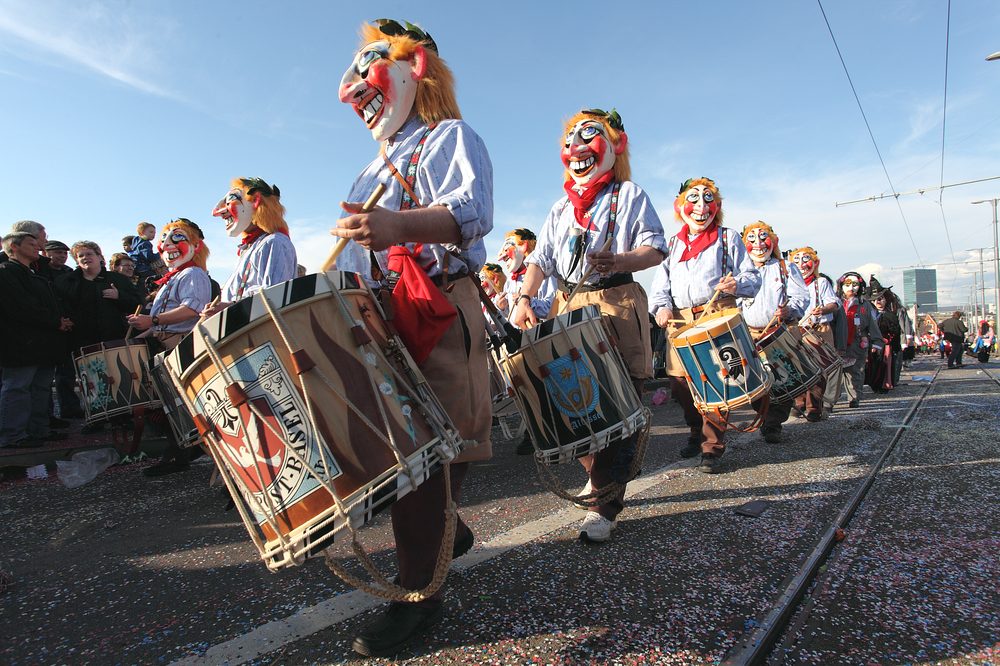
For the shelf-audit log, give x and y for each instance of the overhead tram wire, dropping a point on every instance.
(944, 124)
(870, 133)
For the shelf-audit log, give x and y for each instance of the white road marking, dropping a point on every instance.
(278, 633)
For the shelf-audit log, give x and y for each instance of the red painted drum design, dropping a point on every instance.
(313, 409)
(571, 387)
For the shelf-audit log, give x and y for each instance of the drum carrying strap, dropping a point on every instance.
(581, 246)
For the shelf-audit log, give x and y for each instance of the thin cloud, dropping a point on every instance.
(88, 36)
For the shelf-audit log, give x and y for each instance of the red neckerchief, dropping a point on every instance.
(693, 248)
(583, 202)
(174, 271)
(809, 278)
(850, 319)
(518, 275)
(248, 239)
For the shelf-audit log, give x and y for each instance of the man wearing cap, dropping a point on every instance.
(57, 252)
(69, 403)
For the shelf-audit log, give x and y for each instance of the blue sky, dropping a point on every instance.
(116, 112)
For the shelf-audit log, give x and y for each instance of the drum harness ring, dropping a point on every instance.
(382, 587)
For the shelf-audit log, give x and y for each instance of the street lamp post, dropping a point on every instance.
(996, 256)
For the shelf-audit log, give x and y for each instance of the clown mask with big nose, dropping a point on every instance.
(176, 248)
(759, 244)
(382, 90)
(806, 261)
(236, 210)
(588, 153)
(512, 254)
(698, 207)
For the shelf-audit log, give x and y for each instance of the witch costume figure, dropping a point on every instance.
(879, 372)
(608, 222)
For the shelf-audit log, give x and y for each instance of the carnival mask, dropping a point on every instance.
(850, 286)
(512, 254)
(806, 261)
(588, 153)
(697, 207)
(382, 90)
(236, 210)
(759, 244)
(176, 248)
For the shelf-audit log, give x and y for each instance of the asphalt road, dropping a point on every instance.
(131, 570)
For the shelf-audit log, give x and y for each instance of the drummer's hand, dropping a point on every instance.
(140, 322)
(111, 292)
(604, 263)
(727, 285)
(663, 317)
(818, 310)
(783, 313)
(212, 308)
(524, 317)
(376, 230)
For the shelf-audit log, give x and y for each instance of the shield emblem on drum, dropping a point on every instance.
(572, 387)
(732, 361)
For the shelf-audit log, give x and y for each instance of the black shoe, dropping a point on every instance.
(525, 447)
(854, 403)
(165, 467)
(463, 544)
(55, 422)
(397, 626)
(91, 428)
(959, 365)
(26, 443)
(772, 436)
(814, 417)
(709, 463)
(692, 448)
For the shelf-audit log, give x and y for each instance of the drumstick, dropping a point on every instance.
(342, 243)
(586, 276)
(215, 301)
(128, 333)
(712, 300)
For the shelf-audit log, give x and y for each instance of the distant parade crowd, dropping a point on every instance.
(375, 384)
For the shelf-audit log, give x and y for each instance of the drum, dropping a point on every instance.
(794, 365)
(571, 387)
(314, 411)
(833, 365)
(114, 378)
(176, 409)
(722, 366)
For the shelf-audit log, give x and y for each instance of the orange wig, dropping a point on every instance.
(692, 182)
(194, 235)
(523, 236)
(494, 275)
(622, 170)
(270, 214)
(436, 89)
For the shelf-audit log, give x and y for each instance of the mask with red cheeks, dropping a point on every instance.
(381, 90)
(759, 244)
(698, 205)
(806, 260)
(176, 248)
(588, 152)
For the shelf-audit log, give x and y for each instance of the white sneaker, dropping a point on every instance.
(587, 489)
(596, 527)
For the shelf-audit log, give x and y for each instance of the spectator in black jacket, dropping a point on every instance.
(57, 253)
(69, 403)
(97, 300)
(32, 341)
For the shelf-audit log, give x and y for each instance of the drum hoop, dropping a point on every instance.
(702, 336)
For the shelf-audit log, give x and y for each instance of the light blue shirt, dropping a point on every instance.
(540, 304)
(454, 171)
(686, 284)
(820, 293)
(269, 261)
(636, 225)
(774, 292)
(191, 288)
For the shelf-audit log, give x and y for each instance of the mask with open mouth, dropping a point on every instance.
(698, 204)
(236, 211)
(760, 241)
(180, 244)
(592, 146)
(517, 245)
(806, 259)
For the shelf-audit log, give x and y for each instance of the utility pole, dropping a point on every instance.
(996, 257)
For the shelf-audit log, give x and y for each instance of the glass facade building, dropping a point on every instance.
(920, 288)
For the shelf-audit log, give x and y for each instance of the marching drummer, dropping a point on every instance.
(823, 305)
(782, 297)
(439, 195)
(494, 283)
(252, 212)
(517, 245)
(184, 292)
(607, 222)
(703, 258)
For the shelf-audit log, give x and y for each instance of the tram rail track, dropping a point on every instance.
(756, 645)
